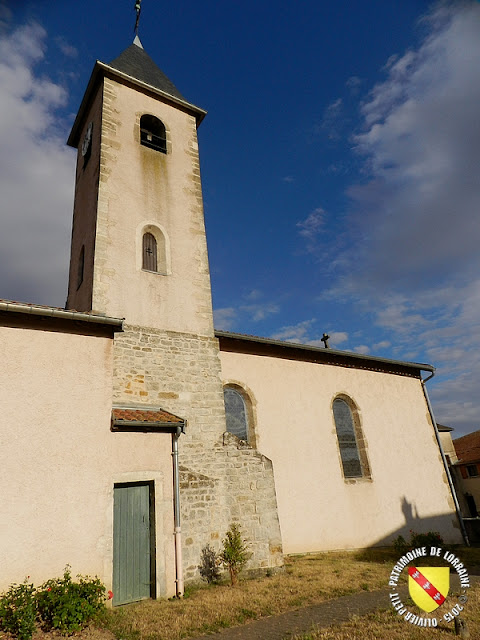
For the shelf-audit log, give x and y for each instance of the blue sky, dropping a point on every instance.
(339, 164)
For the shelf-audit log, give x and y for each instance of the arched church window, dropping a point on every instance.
(149, 262)
(236, 413)
(153, 133)
(350, 439)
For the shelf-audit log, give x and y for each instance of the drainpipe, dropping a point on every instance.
(176, 511)
(445, 463)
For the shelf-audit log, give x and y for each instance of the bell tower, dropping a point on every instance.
(138, 240)
(139, 252)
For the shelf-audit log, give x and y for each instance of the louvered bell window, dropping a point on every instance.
(153, 133)
(347, 441)
(149, 252)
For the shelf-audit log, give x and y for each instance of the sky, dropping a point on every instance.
(339, 163)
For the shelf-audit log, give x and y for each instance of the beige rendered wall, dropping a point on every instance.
(318, 508)
(447, 445)
(141, 188)
(471, 486)
(60, 460)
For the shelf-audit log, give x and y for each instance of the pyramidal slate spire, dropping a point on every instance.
(136, 62)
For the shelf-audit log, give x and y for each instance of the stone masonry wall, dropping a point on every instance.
(179, 372)
(237, 485)
(223, 480)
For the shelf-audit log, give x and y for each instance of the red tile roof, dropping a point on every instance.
(146, 417)
(468, 447)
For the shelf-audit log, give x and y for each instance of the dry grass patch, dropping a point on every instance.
(306, 580)
(387, 624)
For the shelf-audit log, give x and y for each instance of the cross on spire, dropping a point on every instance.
(138, 9)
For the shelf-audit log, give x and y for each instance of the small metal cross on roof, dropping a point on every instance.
(138, 9)
(325, 340)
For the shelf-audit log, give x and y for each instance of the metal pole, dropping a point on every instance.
(445, 464)
(176, 511)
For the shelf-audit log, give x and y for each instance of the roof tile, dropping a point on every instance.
(468, 447)
(146, 416)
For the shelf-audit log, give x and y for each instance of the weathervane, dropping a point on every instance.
(138, 9)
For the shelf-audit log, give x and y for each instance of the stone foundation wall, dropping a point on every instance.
(237, 485)
(223, 480)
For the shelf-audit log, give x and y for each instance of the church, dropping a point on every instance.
(134, 434)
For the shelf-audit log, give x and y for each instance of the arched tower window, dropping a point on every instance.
(153, 248)
(150, 256)
(153, 133)
(350, 439)
(236, 413)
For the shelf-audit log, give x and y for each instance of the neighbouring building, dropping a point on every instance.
(134, 434)
(467, 449)
(463, 458)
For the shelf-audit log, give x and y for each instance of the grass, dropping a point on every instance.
(309, 579)
(387, 624)
(306, 580)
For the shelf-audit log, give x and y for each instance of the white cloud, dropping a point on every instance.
(363, 349)
(331, 119)
(259, 312)
(295, 333)
(353, 83)
(305, 332)
(253, 295)
(66, 48)
(255, 311)
(36, 175)
(412, 263)
(337, 337)
(383, 344)
(5, 14)
(224, 319)
(312, 227)
(422, 145)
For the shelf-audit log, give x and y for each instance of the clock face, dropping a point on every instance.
(87, 140)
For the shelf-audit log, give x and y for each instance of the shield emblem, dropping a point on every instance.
(428, 586)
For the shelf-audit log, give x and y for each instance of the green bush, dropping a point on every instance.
(66, 605)
(18, 611)
(400, 545)
(58, 604)
(429, 539)
(209, 565)
(234, 554)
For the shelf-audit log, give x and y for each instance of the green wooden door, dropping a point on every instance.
(133, 569)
